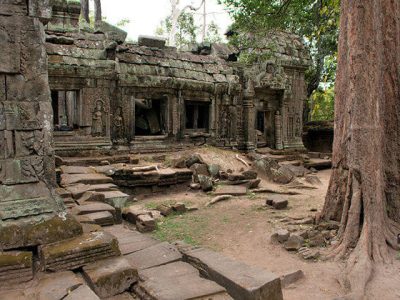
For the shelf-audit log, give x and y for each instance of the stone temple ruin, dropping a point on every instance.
(141, 97)
(80, 91)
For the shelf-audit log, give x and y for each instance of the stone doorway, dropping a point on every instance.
(150, 117)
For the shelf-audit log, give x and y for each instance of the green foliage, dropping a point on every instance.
(213, 35)
(322, 104)
(186, 32)
(317, 21)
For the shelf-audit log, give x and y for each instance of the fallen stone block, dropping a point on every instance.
(205, 183)
(15, 267)
(250, 174)
(132, 213)
(234, 190)
(280, 236)
(82, 292)
(177, 280)
(253, 183)
(116, 199)
(240, 280)
(179, 207)
(291, 277)
(164, 209)
(294, 242)
(277, 202)
(63, 193)
(77, 252)
(154, 256)
(110, 276)
(145, 223)
(199, 169)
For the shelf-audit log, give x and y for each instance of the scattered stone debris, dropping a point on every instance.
(280, 236)
(277, 202)
(206, 183)
(294, 242)
(236, 190)
(308, 253)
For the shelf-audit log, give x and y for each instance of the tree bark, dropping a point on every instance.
(364, 191)
(97, 12)
(85, 10)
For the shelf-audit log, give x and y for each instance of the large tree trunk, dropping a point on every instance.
(97, 12)
(85, 10)
(364, 191)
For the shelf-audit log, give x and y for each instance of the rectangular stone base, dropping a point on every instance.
(80, 251)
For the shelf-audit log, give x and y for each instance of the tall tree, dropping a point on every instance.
(176, 12)
(85, 10)
(364, 191)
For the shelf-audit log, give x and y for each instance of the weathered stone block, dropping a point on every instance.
(240, 280)
(80, 293)
(15, 267)
(150, 41)
(110, 277)
(77, 252)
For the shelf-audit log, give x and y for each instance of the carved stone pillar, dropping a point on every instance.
(278, 131)
(30, 213)
(249, 117)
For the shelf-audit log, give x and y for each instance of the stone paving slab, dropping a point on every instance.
(177, 280)
(110, 277)
(240, 280)
(157, 255)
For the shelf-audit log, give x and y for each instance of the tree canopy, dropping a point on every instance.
(317, 21)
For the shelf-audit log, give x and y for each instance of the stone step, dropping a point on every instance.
(77, 170)
(110, 277)
(116, 199)
(94, 207)
(177, 280)
(157, 255)
(77, 252)
(102, 218)
(79, 189)
(70, 179)
(94, 161)
(240, 280)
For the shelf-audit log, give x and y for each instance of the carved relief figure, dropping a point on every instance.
(119, 123)
(98, 116)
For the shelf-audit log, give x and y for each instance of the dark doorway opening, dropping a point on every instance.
(150, 117)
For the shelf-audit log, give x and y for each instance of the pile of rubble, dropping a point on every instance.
(307, 242)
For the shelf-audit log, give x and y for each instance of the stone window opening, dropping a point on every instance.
(65, 110)
(150, 117)
(197, 116)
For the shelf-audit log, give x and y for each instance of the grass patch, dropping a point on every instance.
(188, 228)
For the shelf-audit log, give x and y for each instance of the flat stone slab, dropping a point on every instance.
(240, 280)
(92, 208)
(56, 286)
(234, 190)
(177, 280)
(110, 277)
(83, 292)
(77, 252)
(154, 256)
(15, 267)
(70, 179)
(130, 241)
(77, 170)
(115, 198)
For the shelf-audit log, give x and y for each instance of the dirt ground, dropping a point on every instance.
(241, 228)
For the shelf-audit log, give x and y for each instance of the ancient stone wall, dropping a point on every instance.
(148, 97)
(30, 214)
